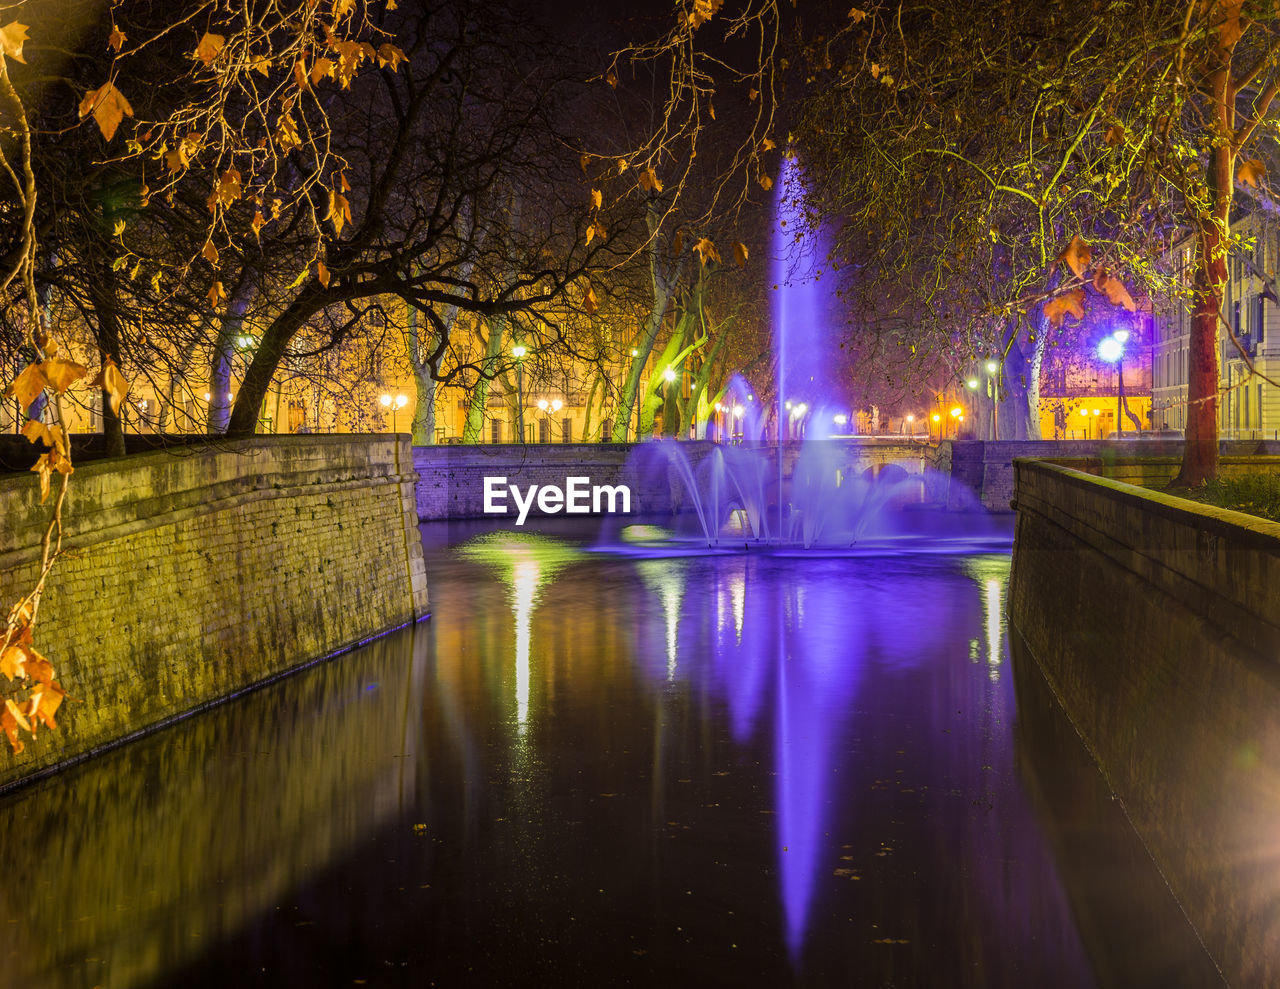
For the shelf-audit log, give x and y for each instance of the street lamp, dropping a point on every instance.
(518, 352)
(1111, 350)
(395, 405)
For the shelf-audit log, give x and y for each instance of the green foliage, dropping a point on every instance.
(1253, 494)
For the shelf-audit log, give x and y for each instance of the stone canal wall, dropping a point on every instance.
(189, 576)
(1157, 623)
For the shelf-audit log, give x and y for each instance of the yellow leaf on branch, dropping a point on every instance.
(389, 56)
(706, 249)
(1068, 304)
(649, 181)
(740, 253)
(27, 386)
(589, 305)
(110, 380)
(339, 211)
(597, 198)
(1113, 288)
(1251, 172)
(117, 38)
(322, 274)
(1076, 256)
(210, 252)
(228, 189)
(216, 294)
(12, 35)
(209, 48)
(9, 722)
(108, 106)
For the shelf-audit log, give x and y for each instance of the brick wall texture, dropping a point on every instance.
(1156, 623)
(187, 577)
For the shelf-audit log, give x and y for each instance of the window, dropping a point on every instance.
(566, 431)
(1259, 317)
(606, 430)
(495, 431)
(544, 430)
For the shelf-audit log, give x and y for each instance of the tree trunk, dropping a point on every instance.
(477, 406)
(102, 294)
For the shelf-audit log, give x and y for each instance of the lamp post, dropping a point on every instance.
(1111, 350)
(395, 405)
(992, 370)
(518, 352)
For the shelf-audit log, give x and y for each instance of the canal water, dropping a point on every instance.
(591, 769)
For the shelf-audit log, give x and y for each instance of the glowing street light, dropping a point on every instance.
(956, 412)
(669, 375)
(841, 419)
(972, 384)
(992, 367)
(395, 404)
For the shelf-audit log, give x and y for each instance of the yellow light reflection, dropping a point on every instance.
(524, 584)
(991, 616)
(667, 578)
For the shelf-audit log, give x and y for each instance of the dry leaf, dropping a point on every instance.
(210, 253)
(12, 660)
(766, 144)
(1230, 30)
(228, 188)
(339, 211)
(706, 250)
(1069, 303)
(322, 68)
(857, 15)
(740, 253)
(110, 380)
(44, 467)
(322, 274)
(61, 373)
(589, 301)
(258, 222)
(597, 198)
(766, 183)
(1250, 172)
(649, 181)
(117, 38)
(209, 48)
(27, 386)
(12, 35)
(108, 106)
(612, 79)
(9, 723)
(677, 244)
(1077, 256)
(1113, 288)
(389, 56)
(1114, 135)
(216, 294)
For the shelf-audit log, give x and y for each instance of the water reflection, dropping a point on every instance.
(709, 771)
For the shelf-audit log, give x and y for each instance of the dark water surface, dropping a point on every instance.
(588, 770)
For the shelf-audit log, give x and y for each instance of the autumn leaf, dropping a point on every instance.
(740, 253)
(216, 294)
(753, 94)
(110, 380)
(61, 374)
(857, 15)
(612, 79)
(339, 211)
(12, 660)
(766, 145)
(766, 183)
(1068, 304)
(649, 181)
(1250, 172)
(12, 35)
(706, 250)
(44, 467)
(389, 56)
(260, 64)
(597, 198)
(44, 703)
(596, 230)
(51, 436)
(209, 48)
(322, 68)
(286, 134)
(322, 274)
(229, 187)
(36, 667)
(589, 301)
(27, 386)
(1230, 30)
(210, 252)
(1113, 288)
(1077, 256)
(108, 106)
(1114, 135)
(9, 722)
(117, 38)
(258, 222)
